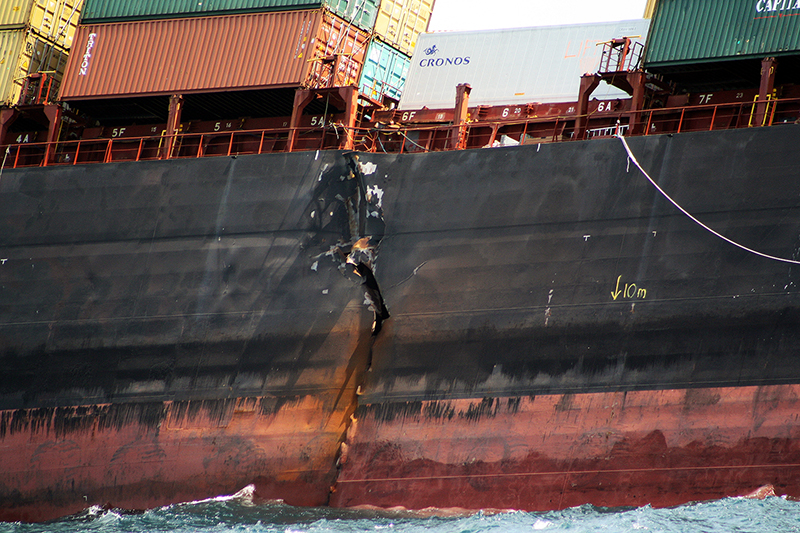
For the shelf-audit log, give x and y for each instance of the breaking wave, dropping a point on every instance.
(238, 513)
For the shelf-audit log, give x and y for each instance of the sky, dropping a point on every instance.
(461, 15)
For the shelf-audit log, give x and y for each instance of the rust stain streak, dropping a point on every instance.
(575, 472)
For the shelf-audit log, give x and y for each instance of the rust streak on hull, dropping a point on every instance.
(143, 456)
(555, 451)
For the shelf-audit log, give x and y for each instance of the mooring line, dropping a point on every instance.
(8, 150)
(631, 157)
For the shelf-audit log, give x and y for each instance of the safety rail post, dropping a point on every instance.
(555, 130)
(752, 111)
(524, 132)
(46, 154)
(107, 155)
(772, 113)
(290, 140)
(649, 123)
(230, 143)
(139, 151)
(713, 116)
(77, 151)
(260, 144)
(680, 123)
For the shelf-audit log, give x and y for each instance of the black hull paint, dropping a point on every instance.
(552, 269)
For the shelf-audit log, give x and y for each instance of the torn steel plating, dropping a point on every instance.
(344, 205)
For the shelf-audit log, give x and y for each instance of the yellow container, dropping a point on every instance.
(649, 9)
(23, 52)
(54, 20)
(400, 22)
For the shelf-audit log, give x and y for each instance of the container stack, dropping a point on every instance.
(147, 51)
(186, 46)
(312, 48)
(398, 25)
(35, 37)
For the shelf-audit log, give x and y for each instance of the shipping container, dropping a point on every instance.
(514, 66)
(360, 12)
(23, 52)
(384, 73)
(54, 20)
(696, 31)
(649, 8)
(400, 22)
(209, 54)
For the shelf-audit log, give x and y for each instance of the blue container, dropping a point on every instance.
(384, 72)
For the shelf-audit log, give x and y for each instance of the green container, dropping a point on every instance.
(362, 13)
(384, 72)
(697, 31)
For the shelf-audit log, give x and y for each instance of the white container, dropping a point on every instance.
(514, 66)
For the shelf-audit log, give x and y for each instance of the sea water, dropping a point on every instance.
(239, 514)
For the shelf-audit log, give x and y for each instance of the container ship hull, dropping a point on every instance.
(559, 332)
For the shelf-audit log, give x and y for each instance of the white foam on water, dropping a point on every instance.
(246, 495)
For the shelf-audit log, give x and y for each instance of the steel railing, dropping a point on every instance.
(406, 139)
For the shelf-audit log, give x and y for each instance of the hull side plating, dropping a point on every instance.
(174, 331)
(559, 333)
(562, 334)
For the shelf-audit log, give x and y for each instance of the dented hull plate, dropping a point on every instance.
(177, 330)
(562, 334)
(546, 328)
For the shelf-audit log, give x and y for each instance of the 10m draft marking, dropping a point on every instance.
(629, 291)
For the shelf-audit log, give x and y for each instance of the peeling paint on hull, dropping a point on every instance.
(554, 451)
(562, 335)
(545, 331)
(154, 454)
(163, 337)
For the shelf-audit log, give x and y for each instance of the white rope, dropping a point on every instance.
(8, 150)
(631, 157)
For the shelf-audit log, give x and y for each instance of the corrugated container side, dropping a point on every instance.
(15, 13)
(650, 8)
(400, 22)
(206, 54)
(344, 41)
(12, 49)
(22, 52)
(686, 31)
(54, 20)
(360, 12)
(385, 70)
(512, 67)
(101, 11)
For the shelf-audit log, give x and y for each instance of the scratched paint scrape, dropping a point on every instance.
(367, 168)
